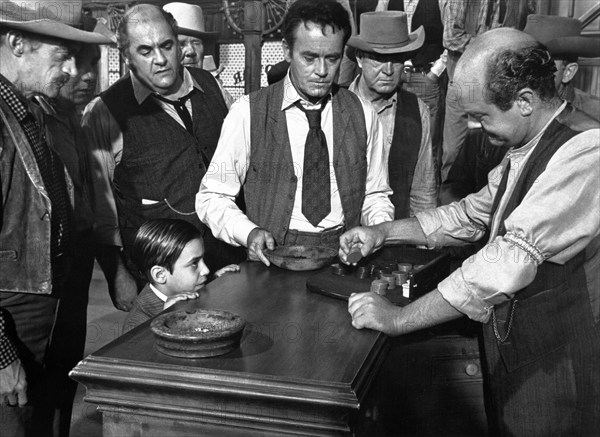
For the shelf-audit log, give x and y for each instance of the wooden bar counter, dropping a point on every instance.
(301, 369)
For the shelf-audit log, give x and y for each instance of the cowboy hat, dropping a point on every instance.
(562, 36)
(190, 19)
(58, 19)
(98, 25)
(386, 33)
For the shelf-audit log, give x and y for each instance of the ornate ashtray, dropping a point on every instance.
(301, 257)
(197, 333)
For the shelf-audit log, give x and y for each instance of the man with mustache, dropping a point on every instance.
(152, 135)
(38, 45)
(308, 154)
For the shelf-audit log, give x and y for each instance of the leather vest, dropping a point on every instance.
(25, 265)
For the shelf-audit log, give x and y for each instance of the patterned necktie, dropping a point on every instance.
(316, 181)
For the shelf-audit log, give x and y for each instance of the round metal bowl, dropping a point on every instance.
(198, 333)
(301, 258)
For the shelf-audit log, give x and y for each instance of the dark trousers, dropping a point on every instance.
(556, 395)
(67, 343)
(51, 333)
(30, 318)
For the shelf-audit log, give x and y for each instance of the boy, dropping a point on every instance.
(170, 254)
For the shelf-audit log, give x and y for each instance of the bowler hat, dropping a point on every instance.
(386, 32)
(190, 19)
(58, 19)
(562, 36)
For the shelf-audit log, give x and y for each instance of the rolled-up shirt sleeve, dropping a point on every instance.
(423, 191)
(377, 207)
(557, 219)
(215, 201)
(106, 145)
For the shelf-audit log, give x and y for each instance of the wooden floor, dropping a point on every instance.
(104, 325)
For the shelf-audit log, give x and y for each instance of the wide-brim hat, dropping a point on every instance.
(58, 19)
(99, 25)
(190, 20)
(386, 33)
(562, 36)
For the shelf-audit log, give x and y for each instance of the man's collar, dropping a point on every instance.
(291, 96)
(158, 293)
(141, 91)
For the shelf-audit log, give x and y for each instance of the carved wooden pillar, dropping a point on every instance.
(253, 28)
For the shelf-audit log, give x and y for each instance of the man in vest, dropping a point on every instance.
(422, 72)
(152, 135)
(308, 154)
(381, 49)
(562, 37)
(38, 45)
(535, 284)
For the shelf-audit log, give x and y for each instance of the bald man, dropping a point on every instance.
(534, 286)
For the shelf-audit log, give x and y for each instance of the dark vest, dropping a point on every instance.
(404, 151)
(426, 14)
(161, 160)
(270, 184)
(555, 307)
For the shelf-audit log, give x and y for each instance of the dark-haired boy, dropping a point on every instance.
(169, 253)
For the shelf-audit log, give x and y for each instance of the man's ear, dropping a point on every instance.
(526, 99)
(569, 72)
(359, 62)
(158, 274)
(16, 42)
(287, 50)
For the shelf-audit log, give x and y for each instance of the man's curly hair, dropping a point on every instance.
(514, 69)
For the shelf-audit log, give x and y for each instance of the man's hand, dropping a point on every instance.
(13, 384)
(257, 241)
(122, 287)
(178, 297)
(124, 292)
(370, 310)
(369, 239)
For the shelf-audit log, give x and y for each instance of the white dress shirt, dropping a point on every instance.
(215, 202)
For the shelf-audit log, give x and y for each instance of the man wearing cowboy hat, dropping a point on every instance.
(562, 37)
(191, 36)
(381, 48)
(308, 154)
(191, 32)
(38, 43)
(534, 286)
(152, 135)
